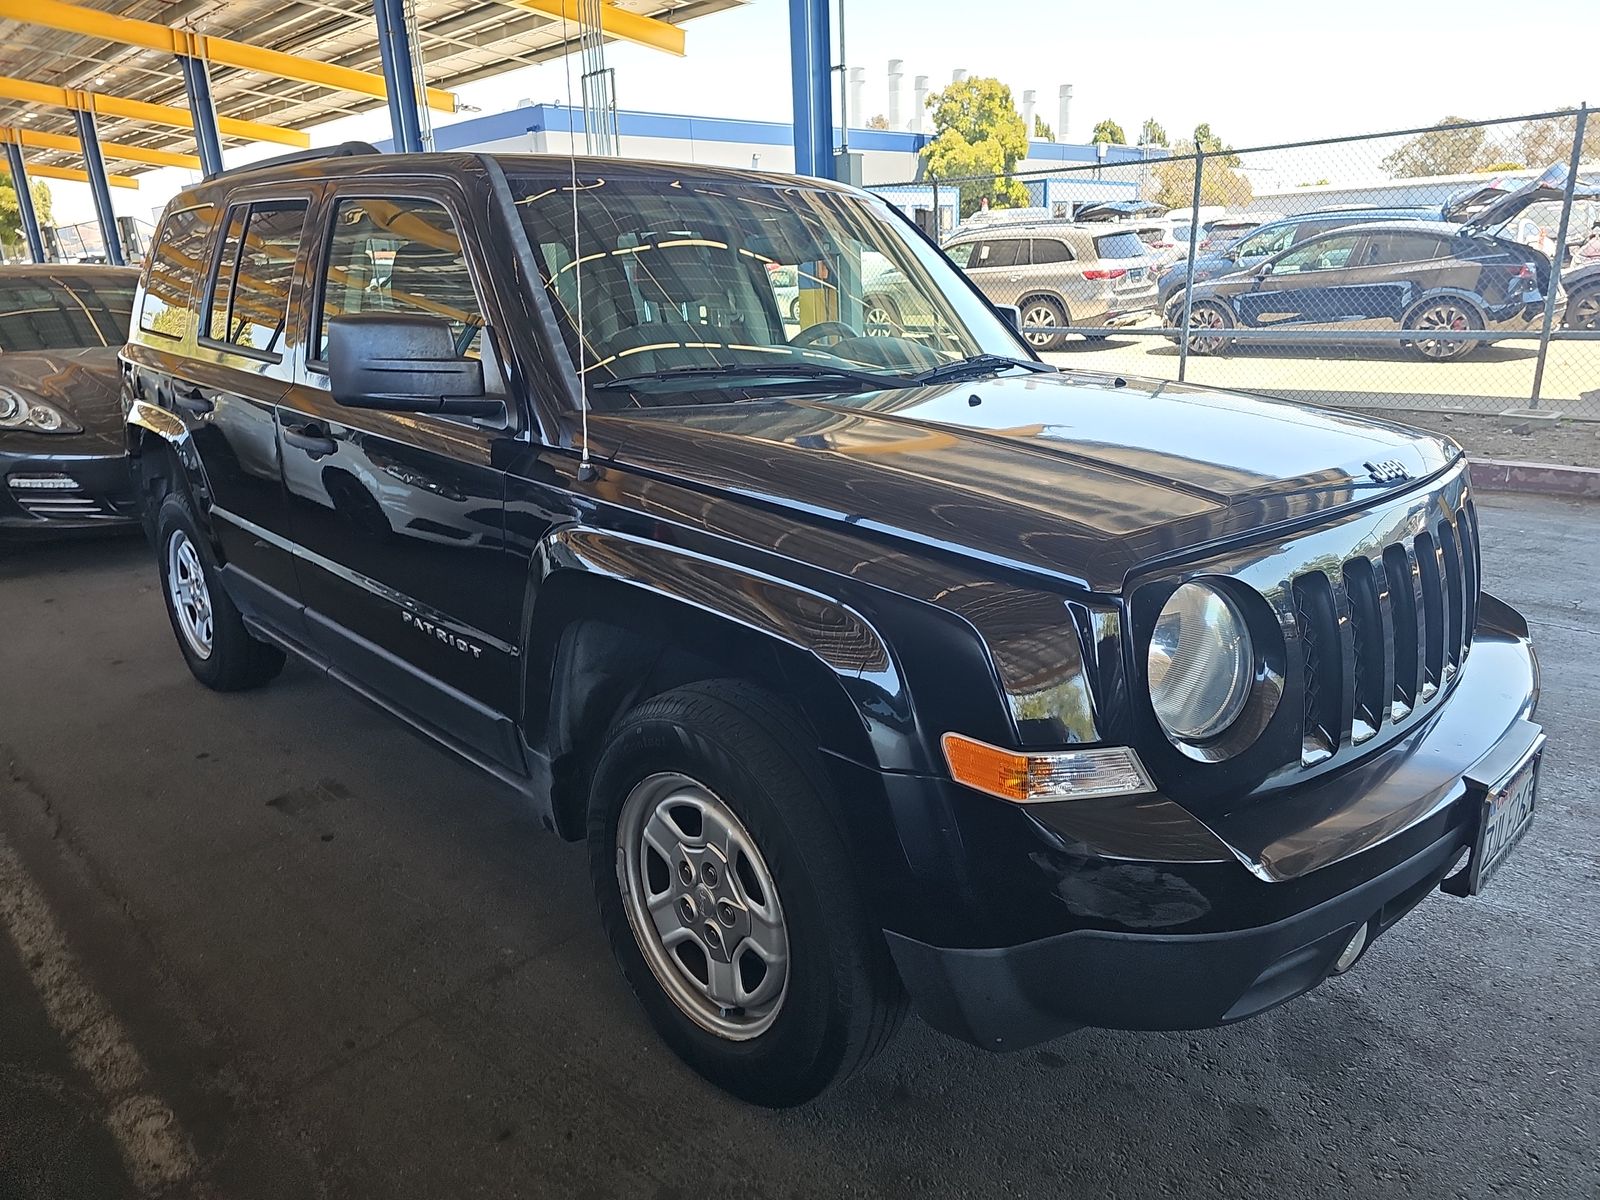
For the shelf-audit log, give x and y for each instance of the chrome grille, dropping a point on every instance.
(60, 504)
(1384, 633)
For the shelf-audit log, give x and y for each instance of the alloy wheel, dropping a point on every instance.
(703, 906)
(1038, 314)
(191, 598)
(1584, 311)
(1441, 316)
(1206, 318)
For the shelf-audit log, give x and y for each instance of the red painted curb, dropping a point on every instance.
(1545, 479)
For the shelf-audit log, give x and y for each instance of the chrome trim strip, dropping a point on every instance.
(381, 590)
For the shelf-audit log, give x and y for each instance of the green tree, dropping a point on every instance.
(11, 214)
(1444, 150)
(1109, 131)
(1152, 133)
(1540, 143)
(1220, 182)
(1041, 130)
(979, 139)
(1214, 146)
(879, 121)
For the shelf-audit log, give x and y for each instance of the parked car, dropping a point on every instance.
(873, 670)
(62, 454)
(1413, 276)
(1223, 232)
(1166, 241)
(1096, 276)
(1582, 285)
(1274, 237)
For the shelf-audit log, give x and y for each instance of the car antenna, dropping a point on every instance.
(587, 471)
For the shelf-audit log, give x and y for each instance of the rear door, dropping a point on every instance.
(1393, 270)
(399, 517)
(227, 389)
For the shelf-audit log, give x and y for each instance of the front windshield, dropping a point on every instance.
(688, 282)
(64, 312)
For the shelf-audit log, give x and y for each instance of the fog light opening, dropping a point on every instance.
(1351, 952)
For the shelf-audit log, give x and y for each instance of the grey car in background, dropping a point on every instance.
(1060, 274)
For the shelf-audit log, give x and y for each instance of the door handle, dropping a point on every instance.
(193, 400)
(310, 437)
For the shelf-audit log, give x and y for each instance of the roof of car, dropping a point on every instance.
(25, 270)
(1442, 228)
(1040, 229)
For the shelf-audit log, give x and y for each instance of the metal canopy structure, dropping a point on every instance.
(457, 41)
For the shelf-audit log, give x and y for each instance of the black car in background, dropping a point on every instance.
(1415, 277)
(875, 668)
(63, 456)
(1264, 241)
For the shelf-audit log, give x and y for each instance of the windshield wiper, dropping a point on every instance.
(977, 364)
(799, 370)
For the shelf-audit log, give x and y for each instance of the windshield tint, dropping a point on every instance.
(64, 312)
(673, 274)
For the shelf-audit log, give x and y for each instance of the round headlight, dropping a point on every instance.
(1200, 664)
(44, 418)
(11, 410)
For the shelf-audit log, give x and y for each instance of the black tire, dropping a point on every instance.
(1211, 317)
(843, 1000)
(236, 660)
(1583, 309)
(1443, 312)
(1042, 310)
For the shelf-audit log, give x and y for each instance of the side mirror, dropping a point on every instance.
(1011, 315)
(1264, 269)
(403, 362)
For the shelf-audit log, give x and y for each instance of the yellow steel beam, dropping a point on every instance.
(139, 110)
(128, 31)
(614, 22)
(77, 176)
(40, 140)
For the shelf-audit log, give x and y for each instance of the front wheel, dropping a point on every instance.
(1583, 310)
(1206, 324)
(730, 899)
(1444, 315)
(1046, 312)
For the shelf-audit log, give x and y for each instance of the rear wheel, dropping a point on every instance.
(881, 317)
(729, 896)
(220, 651)
(1041, 310)
(1206, 323)
(1583, 309)
(1442, 315)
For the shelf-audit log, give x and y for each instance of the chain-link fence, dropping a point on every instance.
(1443, 276)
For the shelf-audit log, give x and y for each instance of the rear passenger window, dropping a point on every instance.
(1403, 248)
(176, 264)
(250, 300)
(1048, 250)
(399, 256)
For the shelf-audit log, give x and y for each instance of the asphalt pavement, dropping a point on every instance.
(273, 945)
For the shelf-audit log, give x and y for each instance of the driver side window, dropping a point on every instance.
(399, 255)
(1320, 254)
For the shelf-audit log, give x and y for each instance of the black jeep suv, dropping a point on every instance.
(874, 669)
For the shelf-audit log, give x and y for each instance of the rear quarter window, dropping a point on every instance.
(176, 265)
(1118, 245)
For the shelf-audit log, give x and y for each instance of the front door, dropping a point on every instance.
(399, 517)
(1307, 287)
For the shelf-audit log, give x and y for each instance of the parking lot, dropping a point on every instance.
(273, 946)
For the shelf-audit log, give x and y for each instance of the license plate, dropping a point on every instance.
(1136, 273)
(1505, 815)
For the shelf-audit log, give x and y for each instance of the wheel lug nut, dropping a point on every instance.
(686, 909)
(686, 872)
(713, 938)
(708, 872)
(726, 913)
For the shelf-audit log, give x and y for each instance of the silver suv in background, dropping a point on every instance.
(1059, 275)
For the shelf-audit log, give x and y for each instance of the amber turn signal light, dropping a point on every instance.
(1030, 778)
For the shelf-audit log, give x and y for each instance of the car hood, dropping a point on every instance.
(1084, 477)
(83, 384)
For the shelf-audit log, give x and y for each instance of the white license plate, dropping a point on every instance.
(1505, 817)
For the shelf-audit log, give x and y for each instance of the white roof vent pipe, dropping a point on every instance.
(1066, 111)
(1029, 100)
(958, 75)
(858, 84)
(892, 113)
(919, 114)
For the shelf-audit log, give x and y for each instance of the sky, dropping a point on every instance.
(1259, 71)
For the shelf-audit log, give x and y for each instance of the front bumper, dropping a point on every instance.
(94, 491)
(1185, 925)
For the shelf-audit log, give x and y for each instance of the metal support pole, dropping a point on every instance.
(30, 218)
(810, 60)
(399, 75)
(1194, 240)
(89, 137)
(1561, 251)
(938, 220)
(197, 86)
